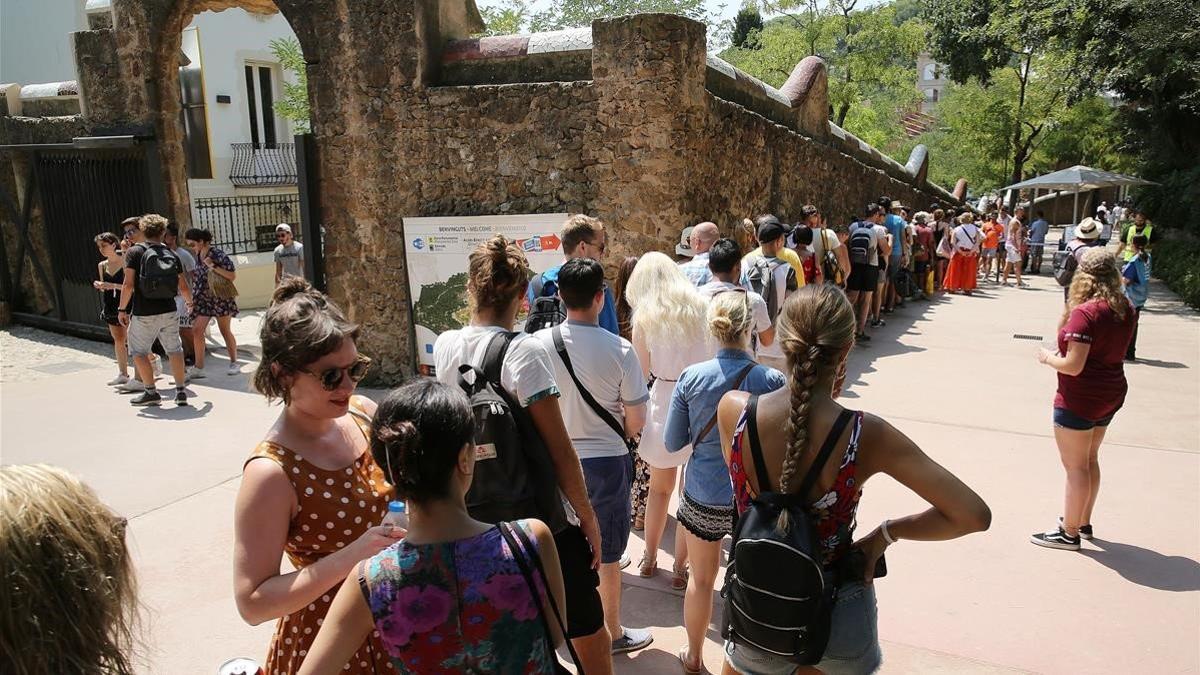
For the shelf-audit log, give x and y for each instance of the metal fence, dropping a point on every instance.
(263, 164)
(247, 224)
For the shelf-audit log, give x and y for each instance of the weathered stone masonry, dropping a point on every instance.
(630, 121)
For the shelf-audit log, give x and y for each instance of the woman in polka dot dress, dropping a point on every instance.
(310, 489)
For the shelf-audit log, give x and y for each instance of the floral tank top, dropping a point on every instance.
(457, 607)
(834, 511)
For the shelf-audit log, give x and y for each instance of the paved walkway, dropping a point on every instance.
(948, 373)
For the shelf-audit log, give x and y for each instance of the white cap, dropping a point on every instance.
(684, 247)
(283, 227)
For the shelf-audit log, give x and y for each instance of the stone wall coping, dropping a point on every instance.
(509, 46)
(97, 6)
(732, 72)
(65, 89)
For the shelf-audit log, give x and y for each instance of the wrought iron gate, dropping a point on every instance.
(84, 188)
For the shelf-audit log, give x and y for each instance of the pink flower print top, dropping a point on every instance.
(460, 606)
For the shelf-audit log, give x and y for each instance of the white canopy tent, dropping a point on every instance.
(1078, 179)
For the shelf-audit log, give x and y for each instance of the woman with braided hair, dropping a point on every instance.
(706, 505)
(456, 595)
(816, 329)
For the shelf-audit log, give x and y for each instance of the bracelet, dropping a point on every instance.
(887, 536)
(122, 310)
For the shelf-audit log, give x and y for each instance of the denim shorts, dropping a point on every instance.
(1068, 420)
(144, 330)
(609, 483)
(853, 647)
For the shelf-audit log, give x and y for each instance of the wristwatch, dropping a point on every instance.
(123, 309)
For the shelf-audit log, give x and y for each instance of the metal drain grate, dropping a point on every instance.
(1035, 338)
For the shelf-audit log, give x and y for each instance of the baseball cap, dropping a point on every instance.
(684, 247)
(1088, 228)
(770, 229)
(283, 227)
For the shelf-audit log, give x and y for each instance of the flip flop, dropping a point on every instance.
(682, 656)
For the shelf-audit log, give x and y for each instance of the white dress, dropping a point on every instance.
(667, 363)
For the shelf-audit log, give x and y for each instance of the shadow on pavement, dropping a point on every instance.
(1147, 568)
(170, 411)
(1155, 363)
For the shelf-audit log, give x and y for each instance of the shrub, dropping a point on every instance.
(1176, 262)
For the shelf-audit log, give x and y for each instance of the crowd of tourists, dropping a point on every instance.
(557, 423)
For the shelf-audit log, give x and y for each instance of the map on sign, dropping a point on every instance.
(437, 249)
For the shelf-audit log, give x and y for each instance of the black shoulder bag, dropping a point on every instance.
(508, 530)
(600, 411)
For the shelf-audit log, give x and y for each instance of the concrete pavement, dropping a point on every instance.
(948, 373)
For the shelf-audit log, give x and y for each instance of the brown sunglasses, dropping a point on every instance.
(331, 378)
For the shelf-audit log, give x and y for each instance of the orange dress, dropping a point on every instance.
(335, 508)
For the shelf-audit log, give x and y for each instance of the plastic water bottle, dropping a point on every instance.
(397, 515)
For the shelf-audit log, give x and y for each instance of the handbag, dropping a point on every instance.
(507, 530)
(221, 287)
(945, 249)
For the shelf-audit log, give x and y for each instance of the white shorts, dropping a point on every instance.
(1012, 254)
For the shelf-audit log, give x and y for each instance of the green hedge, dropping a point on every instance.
(1177, 262)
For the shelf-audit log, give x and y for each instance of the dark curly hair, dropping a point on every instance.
(418, 431)
(301, 326)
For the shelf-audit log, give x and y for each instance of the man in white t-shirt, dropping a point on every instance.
(725, 262)
(592, 362)
(700, 240)
(773, 278)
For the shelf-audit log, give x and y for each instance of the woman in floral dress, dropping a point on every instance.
(310, 489)
(457, 595)
(206, 305)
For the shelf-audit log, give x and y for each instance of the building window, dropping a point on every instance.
(930, 72)
(260, 104)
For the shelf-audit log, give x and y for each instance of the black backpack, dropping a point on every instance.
(787, 615)
(158, 273)
(547, 309)
(514, 476)
(831, 271)
(762, 281)
(860, 245)
(1065, 263)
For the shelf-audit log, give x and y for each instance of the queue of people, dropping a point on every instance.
(518, 465)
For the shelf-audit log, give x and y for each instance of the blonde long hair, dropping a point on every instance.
(70, 594)
(667, 308)
(1098, 277)
(816, 326)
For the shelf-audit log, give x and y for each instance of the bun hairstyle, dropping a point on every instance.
(301, 326)
(416, 436)
(498, 272)
(816, 325)
(730, 318)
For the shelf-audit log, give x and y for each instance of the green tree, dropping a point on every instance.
(507, 19)
(293, 105)
(747, 26)
(577, 13)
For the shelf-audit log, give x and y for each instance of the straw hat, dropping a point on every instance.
(1087, 229)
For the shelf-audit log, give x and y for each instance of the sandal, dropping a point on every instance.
(647, 567)
(682, 655)
(679, 581)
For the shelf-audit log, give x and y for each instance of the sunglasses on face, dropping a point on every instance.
(331, 378)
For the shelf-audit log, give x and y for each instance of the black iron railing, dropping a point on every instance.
(247, 224)
(263, 164)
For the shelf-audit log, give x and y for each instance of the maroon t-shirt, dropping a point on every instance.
(1099, 390)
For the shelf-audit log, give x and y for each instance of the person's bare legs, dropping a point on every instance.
(681, 542)
(225, 326)
(877, 299)
(199, 326)
(1017, 266)
(120, 349)
(1074, 448)
(610, 597)
(145, 371)
(595, 651)
(178, 368)
(189, 341)
(698, 598)
(662, 484)
(1093, 474)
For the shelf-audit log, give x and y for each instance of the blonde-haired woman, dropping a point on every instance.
(706, 506)
(1093, 334)
(786, 428)
(70, 598)
(668, 335)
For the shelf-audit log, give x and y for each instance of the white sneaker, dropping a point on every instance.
(194, 373)
(235, 368)
(131, 387)
(118, 380)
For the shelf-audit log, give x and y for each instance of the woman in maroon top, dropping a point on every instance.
(1092, 338)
